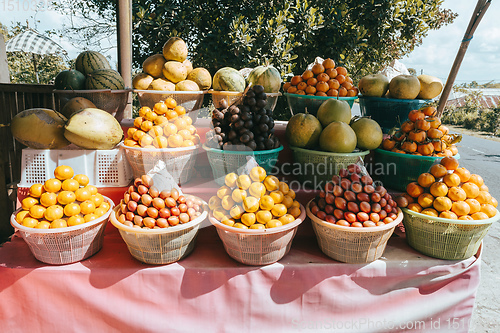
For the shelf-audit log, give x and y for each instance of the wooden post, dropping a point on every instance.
(4, 65)
(481, 7)
(124, 29)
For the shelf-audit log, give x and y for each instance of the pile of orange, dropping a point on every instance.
(450, 192)
(323, 79)
(254, 201)
(166, 126)
(64, 201)
(422, 134)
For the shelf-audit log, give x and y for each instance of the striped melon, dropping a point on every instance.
(104, 79)
(89, 61)
(266, 76)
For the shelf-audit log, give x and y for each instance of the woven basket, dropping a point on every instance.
(349, 244)
(65, 245)
(111, 101)
(160, 246)
(445, 238)
(178, 161)
(397, 170)
(258, 246)
(227, 161)
(192, 101)
(318, 167)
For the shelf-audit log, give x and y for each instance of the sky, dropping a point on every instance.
(434, 57)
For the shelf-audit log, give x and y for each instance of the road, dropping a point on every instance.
(482, 156)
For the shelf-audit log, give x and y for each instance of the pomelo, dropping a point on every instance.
(338, 137)
(369, 135)
(404, 87)
(303, 130)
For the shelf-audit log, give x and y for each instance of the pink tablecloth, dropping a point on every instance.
(209, 292)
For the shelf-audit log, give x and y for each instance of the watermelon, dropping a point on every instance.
(69, 79)
(89, 61)
(228, 79)
(266, 76)
(104, 79)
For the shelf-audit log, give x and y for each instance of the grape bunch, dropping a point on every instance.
(246, 126)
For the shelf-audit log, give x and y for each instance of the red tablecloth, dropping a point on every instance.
(210, 292)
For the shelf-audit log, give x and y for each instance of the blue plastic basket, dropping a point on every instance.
(389, 112)
(397, 170)
(300, 103)
(227, 161)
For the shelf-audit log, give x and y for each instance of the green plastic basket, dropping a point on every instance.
(445, 238)
(227, 161)
(300, 103)
(318, 167)
(396, 170)
(389, 112)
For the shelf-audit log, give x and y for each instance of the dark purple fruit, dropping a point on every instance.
(258, 89)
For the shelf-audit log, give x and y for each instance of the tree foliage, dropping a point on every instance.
(21, 64)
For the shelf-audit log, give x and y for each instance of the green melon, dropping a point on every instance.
(266, 76)
(105, 79)
(69, 79)
(89, 61)
(228, 79)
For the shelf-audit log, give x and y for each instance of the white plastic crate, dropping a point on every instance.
(105, 168)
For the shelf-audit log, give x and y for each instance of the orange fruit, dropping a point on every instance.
(21, 215)
(48, 199)
(251, 204)
(29, 222)
(279, 210)
(175, 141)
(328, 63)
(430, 212)
(243, 182)
(52, 185)
(460, 208)
(479, 216)
(266, 202)
(258, 174)
(415, 207)
(59, 223)
(426, 179)
(28, 202)
(442, 203)
(271, 183)
(159, 108)
(87, 207)
(414, 189)
(476, 179)
(72, 209)
(263, 216)
(138, 122)
(457, 194)
(449, 162)
(161, 121)
(75, 220)
(322, 87)
(415, 115)
(160, 142)
(171, 115)
(150, 115)
(494, 202)
(296, 80)
(342, 92)
(306, 75)
(317, 68)
(36, 190)
(466, 218)
(238, 195)
(66, 197)
(287, 218)
(257, 190)
(425, 200)
(341, 70)
(138, 135)
(471, 189)
(143, 110)
(180, 110)
(53, 213)
(463, 173)
(451, 179)
(448, 215)
(170, 103)
(439, 189)
(438, 170)
(274, 223)
(146, 125)
(63, 172)
(37, 211)
(489, 210)
(429, 111)
(43, 225)
(474, 205)
(248, 219)
(483, 197)
(180, 123)
(70, 185)
(236, 211)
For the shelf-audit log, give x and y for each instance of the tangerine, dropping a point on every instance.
(442, 203)
(460, 208)
(63, 172)
(476, 179)
(451, 179)
(479, 216)
(488, 209)
(415, 207)
(438, 170)
(414, 189)
(439, 189)
(449, 162)
(425, 200)
(448, 215)
(36, 190)
(426, 179)
(431, 212)
(474, 205)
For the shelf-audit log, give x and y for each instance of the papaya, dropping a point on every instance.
(93, 128)
(39, 129)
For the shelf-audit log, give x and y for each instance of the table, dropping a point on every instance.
(306, 291)
(208, 291)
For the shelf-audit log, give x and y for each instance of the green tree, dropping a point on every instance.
(21, 66)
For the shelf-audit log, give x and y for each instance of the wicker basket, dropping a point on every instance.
(227, 161)
(318, 167)
(396, 170)
(192, 101)
(445, 238)
(232, 96)
(112, 101)
(178, 161)
(160, 246)
(302, 103)
(352, 245)
(65, 245)
(258, 246)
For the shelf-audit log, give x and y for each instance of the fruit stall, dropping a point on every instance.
(169, 221)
